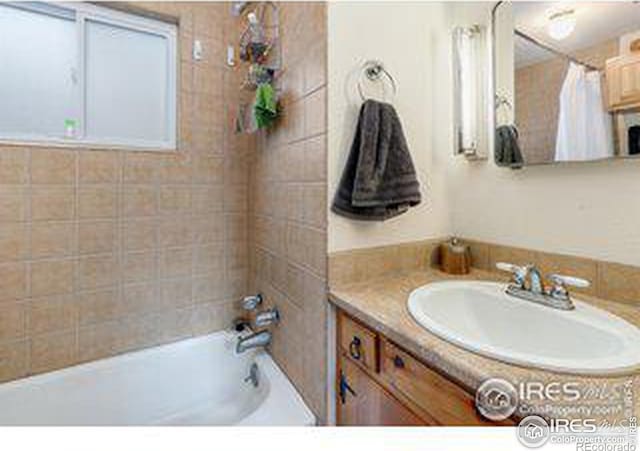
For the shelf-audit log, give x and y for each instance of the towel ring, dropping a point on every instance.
(374, 71)
(503, 101)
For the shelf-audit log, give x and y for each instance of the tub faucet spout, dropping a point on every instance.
(258, 339)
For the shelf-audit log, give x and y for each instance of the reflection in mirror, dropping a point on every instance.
(567, 81)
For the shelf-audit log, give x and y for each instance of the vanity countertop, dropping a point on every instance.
(381, 304)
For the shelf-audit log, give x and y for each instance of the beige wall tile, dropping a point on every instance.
(53, 166)
(14, 165)
(139, 266)
(140, 234)
(14, 241)
(141, 298)
(174, 232)
(212, 316)
(13, 281)
(53, 351)
(98, 166)
(208, 287)
(139, 201)
(209, 198)
(619, 282)
(14, 360)
(314, 165)
(97, 271)
(209, 257)
(97, 202)
(176, 293)
(51, 314)
(49, 277)
(174, 199)
(52, 203)
(95, 237)
(508, 254)
(101, 340)
(52, 239)
(175, 262)
(14, 201)
(208, 169)
(175, 169)
(100, 306)
(315, 113)
(12, 320)
(140, 168)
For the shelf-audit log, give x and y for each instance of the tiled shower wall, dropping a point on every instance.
(537, 90)
(103, 252)
(288, 206)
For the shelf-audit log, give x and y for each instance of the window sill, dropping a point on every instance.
(66, 144)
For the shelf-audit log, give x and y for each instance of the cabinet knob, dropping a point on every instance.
(398, 362)
(354, 348)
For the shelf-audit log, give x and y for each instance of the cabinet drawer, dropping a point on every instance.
(358, 343)
(440, 398)
(362, 402)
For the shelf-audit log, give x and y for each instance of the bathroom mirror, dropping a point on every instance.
(566, 81)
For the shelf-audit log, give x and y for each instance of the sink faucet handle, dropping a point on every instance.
(519, 272)
(569, 281)
(508, 267)
(559, 289)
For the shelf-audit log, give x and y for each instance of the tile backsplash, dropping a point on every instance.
(611, 281)
(106, 251)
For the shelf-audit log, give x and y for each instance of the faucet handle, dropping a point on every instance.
(559, 289)
(251, 302)
(508, 267)
(570, 281)
(519, 272)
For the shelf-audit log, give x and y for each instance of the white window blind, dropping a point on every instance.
(88, 75)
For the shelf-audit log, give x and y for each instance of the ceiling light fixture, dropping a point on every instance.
(561, 24)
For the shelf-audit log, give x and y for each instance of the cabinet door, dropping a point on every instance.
(623, 79)
(362, 402)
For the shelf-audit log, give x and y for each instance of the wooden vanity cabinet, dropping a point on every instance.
(381, 384)
(623, 82)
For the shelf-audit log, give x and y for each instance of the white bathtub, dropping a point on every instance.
(199, 381)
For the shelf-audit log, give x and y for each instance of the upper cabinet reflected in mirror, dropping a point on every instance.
(567, 81)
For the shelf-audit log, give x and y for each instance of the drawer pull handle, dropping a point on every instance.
(354, 348)
(398, 362)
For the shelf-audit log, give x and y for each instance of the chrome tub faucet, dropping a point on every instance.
(262, 319)
(255, 340)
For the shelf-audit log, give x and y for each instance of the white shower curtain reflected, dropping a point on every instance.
(584, 126)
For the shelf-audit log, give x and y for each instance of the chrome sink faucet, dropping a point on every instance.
(527, 284)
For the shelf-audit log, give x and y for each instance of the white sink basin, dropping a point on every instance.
(480, 317)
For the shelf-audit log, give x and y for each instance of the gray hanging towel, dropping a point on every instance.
(379, 181)
(507, 149)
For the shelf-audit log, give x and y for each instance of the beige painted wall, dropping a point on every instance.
(412, 41)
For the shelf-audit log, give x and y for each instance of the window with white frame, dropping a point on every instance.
(75, 72)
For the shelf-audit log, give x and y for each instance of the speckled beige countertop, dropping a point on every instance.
(381, 304)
